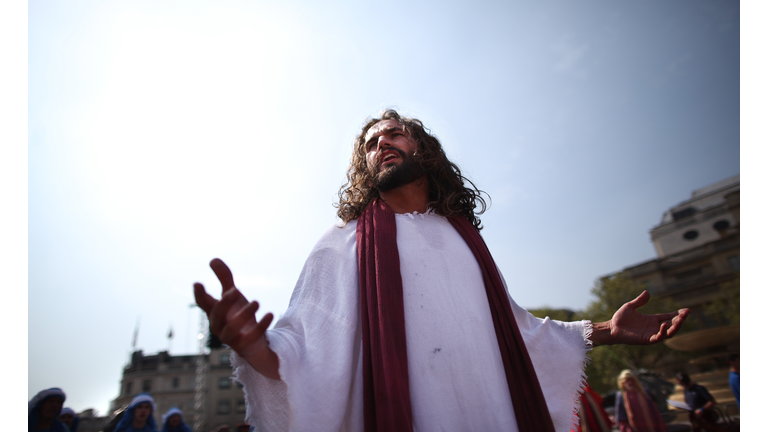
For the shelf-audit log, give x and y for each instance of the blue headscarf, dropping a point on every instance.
(180, 428)
(75, 421)
(126, 423)
(33, 409)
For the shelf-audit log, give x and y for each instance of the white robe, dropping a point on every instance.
(457, 379)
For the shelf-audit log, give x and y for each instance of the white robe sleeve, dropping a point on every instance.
(558, 351)
(318, 342)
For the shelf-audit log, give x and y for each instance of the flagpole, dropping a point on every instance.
(136, 333)
(170, 337)
(135, 337)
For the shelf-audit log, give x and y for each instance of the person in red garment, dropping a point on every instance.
(636, 410)
(592, 416)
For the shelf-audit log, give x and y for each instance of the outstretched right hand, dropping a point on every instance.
(233, 320)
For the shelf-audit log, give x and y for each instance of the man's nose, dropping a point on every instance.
(384, 142)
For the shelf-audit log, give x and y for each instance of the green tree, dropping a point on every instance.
(725, 310)
(608, 361)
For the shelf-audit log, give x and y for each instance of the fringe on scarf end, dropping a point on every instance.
(575, 422)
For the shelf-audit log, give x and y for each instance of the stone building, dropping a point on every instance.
(173, 382)
(697, 243)
(698, 248)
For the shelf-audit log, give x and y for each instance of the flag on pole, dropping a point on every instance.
(170, 336)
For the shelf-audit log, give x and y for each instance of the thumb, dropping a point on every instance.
(641, 300)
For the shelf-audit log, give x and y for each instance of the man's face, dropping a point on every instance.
(389, 156)
(142, 411)
(51, 407)
(174, 421)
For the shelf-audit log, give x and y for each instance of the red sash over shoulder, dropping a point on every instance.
(387, 399)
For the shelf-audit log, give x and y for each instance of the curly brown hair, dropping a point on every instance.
(448, 195)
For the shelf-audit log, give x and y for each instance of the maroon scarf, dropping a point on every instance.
(386, 395)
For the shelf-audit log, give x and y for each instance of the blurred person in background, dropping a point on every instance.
(173, 422)
(43, 410)
(636, 410)
(69, 418)
(734, 377)
(592, 416)
(703, 415)
(138, 416)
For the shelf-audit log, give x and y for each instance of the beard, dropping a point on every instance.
(392, 177)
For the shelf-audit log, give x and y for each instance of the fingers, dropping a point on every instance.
(669, 316)
(250, 340)
(224, 311)
(243, 332)
(232, 318)
(661, 334)
(670, 324)
(677, 322)
(223, 273)
(203, 299)
(239, 321)
(263, 325)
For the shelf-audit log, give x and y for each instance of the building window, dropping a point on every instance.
(240, 407)
(224, 383)
(146, 385)
(128, 388)
(223, 407)
(689, 274)
(684, 213)
(175, 382)
(691, 235)
(734, 262)
(721, 225)
(224, 358)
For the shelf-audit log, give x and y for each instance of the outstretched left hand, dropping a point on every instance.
(628, 326)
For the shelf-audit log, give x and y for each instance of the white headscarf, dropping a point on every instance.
(128, 415)
(45, 394)
(171, 412)
(142, 398)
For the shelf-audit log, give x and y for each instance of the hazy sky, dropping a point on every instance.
(163, 134)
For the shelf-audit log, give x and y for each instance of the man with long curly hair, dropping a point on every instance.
(381, 169)
(401, 321)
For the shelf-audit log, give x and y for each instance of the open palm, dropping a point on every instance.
(628, 326)
(233, 320)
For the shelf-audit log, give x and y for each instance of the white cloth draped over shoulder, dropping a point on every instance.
(457, 379)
